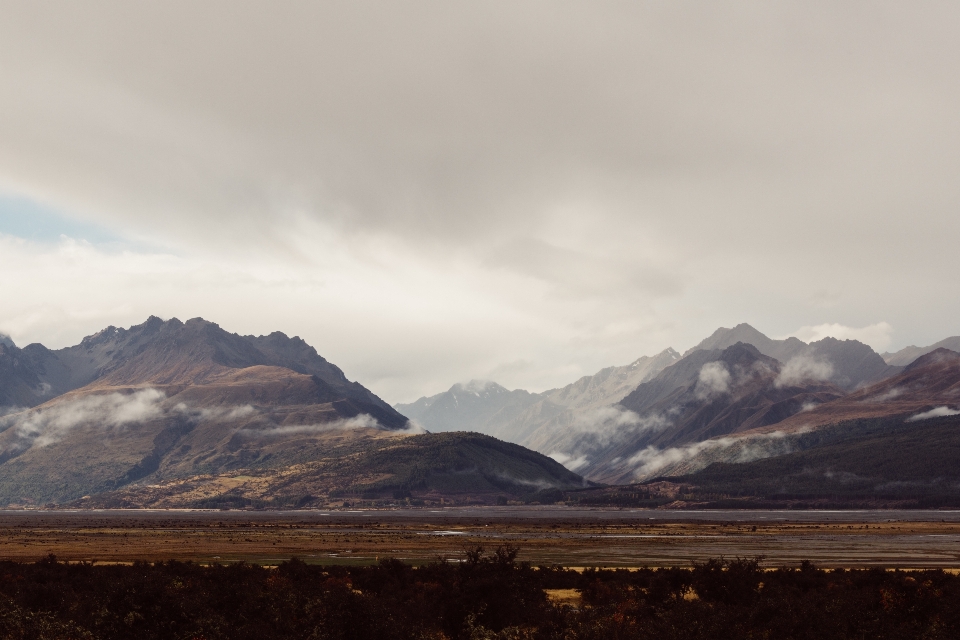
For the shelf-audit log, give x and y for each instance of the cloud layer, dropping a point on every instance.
(46, 425)
(803, 368)
(431, 192)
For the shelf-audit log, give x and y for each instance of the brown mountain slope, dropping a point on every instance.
(174, 404)
(165, 353)
(927, 390)
(931, 381)
(171, 399)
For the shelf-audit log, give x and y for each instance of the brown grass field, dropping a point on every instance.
(574, 539)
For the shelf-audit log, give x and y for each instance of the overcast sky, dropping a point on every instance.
(430, 192)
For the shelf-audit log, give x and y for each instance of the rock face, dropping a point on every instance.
(172, 354)
(598, 424)
(846, 363)
(722, 338)
(20, 386)
(480, 406)
(583, 401)
(532, 419)
(908, 354)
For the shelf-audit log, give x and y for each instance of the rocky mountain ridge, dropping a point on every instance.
(167, 401)
(905, 356)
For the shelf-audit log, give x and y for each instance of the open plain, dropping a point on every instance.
(545, 536)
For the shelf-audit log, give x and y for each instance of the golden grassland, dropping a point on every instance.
(366, 537)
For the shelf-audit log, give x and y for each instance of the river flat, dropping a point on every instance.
(545, 535)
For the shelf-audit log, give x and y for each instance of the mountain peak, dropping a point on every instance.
(908, 354)
(6, 341)
(936, 356)
(741, 352)
(722, 338)
(478, 386)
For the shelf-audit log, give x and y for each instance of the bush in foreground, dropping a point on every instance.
(488, 596)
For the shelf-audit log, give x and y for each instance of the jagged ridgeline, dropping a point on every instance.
(169, 413)
(749, 405)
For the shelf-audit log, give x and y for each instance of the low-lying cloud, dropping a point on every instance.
(570, 462)
(217, 414)
(362, 421)
(886, 395)
(714, 380)
(803, 368)
(653, 461)
(47, 425)
(938, 412)
(605, 424)
(42, 427)
(594, 430)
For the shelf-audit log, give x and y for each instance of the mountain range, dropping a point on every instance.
(186, 414)
(736, 397)
(197, 414)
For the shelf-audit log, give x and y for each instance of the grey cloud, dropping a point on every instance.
(588, 174)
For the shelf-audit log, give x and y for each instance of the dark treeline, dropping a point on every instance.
(488, 596)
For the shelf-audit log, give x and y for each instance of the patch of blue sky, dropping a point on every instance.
(30, 220)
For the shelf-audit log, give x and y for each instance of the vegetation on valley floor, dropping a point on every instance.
(485, 596)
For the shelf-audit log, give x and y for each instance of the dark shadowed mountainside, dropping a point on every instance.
(20, 386)
(869, 463)
(440, 467)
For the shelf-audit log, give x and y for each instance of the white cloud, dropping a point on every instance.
(569, 461)
(802, 368)
(425, 208)
(714, 380)
(362, 421)
(47, 425)
(938, 412)
(878, 336)
(654, 461)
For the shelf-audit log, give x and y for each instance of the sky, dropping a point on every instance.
(431, 192)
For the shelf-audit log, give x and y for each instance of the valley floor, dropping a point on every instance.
(568, 537)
